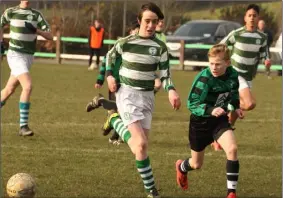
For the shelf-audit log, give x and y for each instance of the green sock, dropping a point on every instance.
(145, 171)
(24, 113)
(120, 128)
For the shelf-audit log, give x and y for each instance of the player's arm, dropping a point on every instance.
(264, 54)
(111, 57)
(101, 76)
(4, 20)
(165, 78)
(198, 95)
(229, 39)
(164, 69)
(235, 99)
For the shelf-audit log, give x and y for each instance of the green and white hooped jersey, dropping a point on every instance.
(141, 58)
(21, 38)
(248, 49)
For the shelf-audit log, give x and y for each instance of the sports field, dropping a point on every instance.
(69, 157)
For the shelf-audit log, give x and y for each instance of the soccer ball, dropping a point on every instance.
(21, 185)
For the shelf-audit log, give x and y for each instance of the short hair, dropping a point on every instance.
(151, 7)
(254, 7)
(219, 48)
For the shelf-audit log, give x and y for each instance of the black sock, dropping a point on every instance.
(185, 166)
(232, 172)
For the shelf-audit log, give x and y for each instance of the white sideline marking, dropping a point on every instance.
(118, 150)
(67, 124)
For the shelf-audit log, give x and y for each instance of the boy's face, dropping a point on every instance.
(251, 18)
(25, 3)
(160, 25)
(97, 24)
(148, 24)
(218, 65)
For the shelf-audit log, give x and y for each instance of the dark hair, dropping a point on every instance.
(135, 24)
(151, 7)
(254, 7)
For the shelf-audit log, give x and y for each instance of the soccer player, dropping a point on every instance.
(212, 90)
(25, 24)
(99, 100)
(141, 55)
(249, 44)
(159, 31)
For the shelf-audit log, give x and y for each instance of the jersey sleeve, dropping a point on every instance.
(235, 99)
(164, 68)
(229, 39)
(101, 76)
(5, 18)
(42, 24)
(112, 55)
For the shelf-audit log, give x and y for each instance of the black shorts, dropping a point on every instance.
(203, 131)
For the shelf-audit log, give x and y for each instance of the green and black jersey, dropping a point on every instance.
(247, 49)
(209, 92)
(115, 70)
(21, 38)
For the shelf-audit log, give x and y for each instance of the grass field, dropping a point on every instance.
(69, 157)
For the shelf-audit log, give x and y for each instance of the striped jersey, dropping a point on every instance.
(209, 92)
(21, 38)
(141, 57)
(248, 49)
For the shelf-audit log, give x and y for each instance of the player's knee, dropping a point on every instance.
(27, 89)
(232, 152)
(141, 146)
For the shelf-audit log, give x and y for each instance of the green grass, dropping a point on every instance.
(69, 157)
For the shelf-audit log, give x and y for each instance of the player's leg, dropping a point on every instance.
(98, 101)
(200, 136)
(97, 57)
(184, 166)
(225, 137)
(247, 100)
(228, 142)
(91, 53)
(24, 104)
(9, 89)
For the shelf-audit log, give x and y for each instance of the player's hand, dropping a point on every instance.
(218, 111)
(174, 99)
(267, 63)
(97, 86)
(240, 113)
(30, 27)
(111, 83)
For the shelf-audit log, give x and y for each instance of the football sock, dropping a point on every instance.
(120, 128)
(145, 171)
(24, 113)
(232, 172)
(185, 166)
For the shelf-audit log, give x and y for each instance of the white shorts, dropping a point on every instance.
(134, 105)
(244, 83)
(19, 63)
